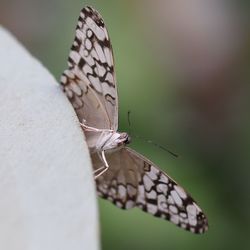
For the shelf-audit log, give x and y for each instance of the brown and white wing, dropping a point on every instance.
(89, 81)
(134, 181)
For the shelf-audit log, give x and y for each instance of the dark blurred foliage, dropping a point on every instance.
(183, 71)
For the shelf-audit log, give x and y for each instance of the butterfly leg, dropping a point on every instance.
(92, 129)
(98, 172)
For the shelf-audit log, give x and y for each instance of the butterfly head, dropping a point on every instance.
(124, 138)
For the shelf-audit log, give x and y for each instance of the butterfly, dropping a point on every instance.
(122, 175)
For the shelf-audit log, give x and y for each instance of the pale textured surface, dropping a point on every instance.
(47, 193)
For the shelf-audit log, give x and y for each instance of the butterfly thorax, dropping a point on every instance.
(111, 140)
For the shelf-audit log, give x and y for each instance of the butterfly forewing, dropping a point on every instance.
(90, 82)
(133, 180)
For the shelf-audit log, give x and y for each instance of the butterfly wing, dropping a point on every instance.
(120, 182)
(132, 180)
(89, 81)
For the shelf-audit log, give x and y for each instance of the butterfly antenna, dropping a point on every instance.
(148, 141)
(129, 123)
(157, 145)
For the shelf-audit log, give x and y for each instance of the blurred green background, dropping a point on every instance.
(183, 70)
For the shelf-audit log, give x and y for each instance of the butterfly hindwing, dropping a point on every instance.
(118, 184)
(90, 82)
(132, 180)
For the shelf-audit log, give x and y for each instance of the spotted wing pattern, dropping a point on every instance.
(90, 82)
(134, 181)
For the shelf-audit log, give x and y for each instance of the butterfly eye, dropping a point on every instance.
(128, 139)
